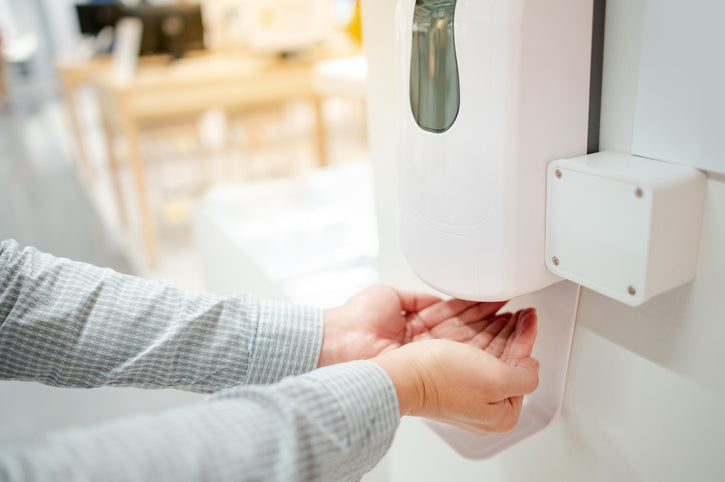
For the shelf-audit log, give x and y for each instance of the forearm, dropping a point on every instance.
(331, 424)
(71, 324)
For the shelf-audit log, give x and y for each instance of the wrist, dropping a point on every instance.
(332, 347)
(405, 379)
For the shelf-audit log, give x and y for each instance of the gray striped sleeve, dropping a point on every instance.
(71, 324)
(333, 423)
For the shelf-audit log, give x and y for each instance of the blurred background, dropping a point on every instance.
(221, 145)
(155, 118)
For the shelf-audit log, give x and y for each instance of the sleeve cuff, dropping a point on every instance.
(288, 342)
(367, 398)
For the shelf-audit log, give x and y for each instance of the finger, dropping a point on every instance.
(496, 417)
(444, 310)
(521, 379)
(469, 323)
(522, 342)
(484, 338)
(480, 311)
(509, 411)
(472, 429)
(456, 330)
(411, 301)
(498, 344)
(475, 429)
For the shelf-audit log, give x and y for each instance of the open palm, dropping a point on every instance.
(382, 318)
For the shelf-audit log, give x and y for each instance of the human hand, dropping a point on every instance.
(478, 390)
(381, 318)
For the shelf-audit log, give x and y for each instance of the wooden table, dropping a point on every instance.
(74, 74)
(163, 93)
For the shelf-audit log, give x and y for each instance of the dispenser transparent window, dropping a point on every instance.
(434, 83)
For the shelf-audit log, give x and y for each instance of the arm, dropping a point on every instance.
(333, 423)
(330, 424)
(65, 323)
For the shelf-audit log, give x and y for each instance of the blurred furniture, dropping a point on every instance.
(93, 18)
(167, 29)
(310, 240)
(344, 76)
(19, 45)
(354, 27)
(182, 90)
(73, 74)
(286, 26)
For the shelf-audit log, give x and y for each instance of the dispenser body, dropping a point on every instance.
(488, 92)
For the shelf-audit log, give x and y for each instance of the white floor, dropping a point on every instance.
(311, 239)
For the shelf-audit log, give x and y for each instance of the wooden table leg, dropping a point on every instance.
(148, 229)
(69, 89)
(320, 128)
(114, 165)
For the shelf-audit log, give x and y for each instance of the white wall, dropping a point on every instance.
(646, 386)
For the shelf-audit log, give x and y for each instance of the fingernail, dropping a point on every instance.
(526, 316)
(528, 321)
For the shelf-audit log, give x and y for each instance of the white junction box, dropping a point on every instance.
(627, 227)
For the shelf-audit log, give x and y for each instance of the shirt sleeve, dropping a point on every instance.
(65, 323)
(333, 423)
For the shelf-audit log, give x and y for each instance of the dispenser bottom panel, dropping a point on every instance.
(556, 308)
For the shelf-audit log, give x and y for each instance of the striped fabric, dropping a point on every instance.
(273, 417)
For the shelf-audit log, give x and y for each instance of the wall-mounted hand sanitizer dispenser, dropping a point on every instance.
(489, 91)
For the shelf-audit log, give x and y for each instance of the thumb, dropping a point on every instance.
(411, 301)
(528, 362)
(522, 378)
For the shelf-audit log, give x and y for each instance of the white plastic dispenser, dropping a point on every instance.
(489, 92)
